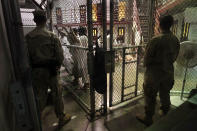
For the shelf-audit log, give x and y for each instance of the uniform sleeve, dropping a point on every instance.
(177, 48)
(29, 52)
(59, 51)
(150, 53)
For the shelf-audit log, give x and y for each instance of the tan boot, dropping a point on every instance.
(64, 120)
(145, 120)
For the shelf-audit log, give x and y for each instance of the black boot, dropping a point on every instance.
(146, 120)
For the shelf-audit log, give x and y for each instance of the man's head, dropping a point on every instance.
(166, 22)
(40, 17)
(82, 31)
(75, 31)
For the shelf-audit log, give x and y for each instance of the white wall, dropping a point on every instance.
(180, 18)
(191, 17)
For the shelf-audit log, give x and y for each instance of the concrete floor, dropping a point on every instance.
(121, 119)
(79, 120)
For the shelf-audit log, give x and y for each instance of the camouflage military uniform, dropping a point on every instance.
(42, 76)
(160, 55)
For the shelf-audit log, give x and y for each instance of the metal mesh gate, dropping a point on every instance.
(126, 75)
(130, 34)
(70, 16)
(133, 24)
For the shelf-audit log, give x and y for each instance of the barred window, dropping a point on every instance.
(121, 34)
(59, 15)
(94, 32)
(94, 12)
(185, 31)
(82, 13)
(121, 10)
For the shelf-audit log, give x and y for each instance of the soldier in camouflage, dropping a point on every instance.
(160, 55)
(46, 56)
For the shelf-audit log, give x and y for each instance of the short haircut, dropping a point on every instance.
(40, 17)
(166, 22)
(82, 31)
(75, 31)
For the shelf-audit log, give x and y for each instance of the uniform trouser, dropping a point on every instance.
(154, 82)
(84, 66)
(42, 81)
(76, 59)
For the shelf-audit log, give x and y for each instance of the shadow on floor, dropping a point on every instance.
(121, 119)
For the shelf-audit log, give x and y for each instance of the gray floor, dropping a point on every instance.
(120, 119)
(79, 120)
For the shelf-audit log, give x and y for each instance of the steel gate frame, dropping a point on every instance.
(92, 93)
(124, 77)
(111, 86)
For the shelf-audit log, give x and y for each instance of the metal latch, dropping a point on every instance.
(110, 61)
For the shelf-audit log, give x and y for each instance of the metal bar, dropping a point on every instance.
(111, 23)
(129, 46)
(129, 98)
(111, 47)
(104, 24)
(123, 104)
(35, 3)
(135, 52)
(129, 94)
(129, 86)
(104, 19)
(90, 46)
(137, 71)
(49, 12)
(179, 92)
(170, 5)
(123, 75)
(151, 15)
(95, 23)
(42, 3)
(76, 47)
(184, 80)
(130, 62)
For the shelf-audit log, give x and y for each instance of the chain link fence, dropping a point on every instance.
(128, 75)
(72, 15)
(131, 32)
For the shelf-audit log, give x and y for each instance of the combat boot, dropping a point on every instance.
(146, 120)
(64, 120)
(162, 113)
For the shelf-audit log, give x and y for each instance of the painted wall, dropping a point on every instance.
(191, 17)
(180, 18)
